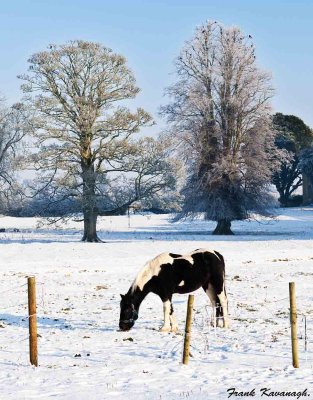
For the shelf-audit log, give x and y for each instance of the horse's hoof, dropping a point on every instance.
(220, 323)
(175, 329)
(165, 329)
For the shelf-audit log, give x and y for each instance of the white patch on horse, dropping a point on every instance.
(167, 319)
(174, 325)
(150, 269)
(182, 283)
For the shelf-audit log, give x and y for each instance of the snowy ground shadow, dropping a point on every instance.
(162, 234)
(46, 323)
(292, 224)
(197, 236)
(42, 322)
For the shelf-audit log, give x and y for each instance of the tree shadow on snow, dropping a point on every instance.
(295, 224)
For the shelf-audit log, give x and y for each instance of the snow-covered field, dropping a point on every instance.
(82, 355)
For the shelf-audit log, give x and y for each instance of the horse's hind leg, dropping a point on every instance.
(223, 301)
(217, 296)
(209, 290)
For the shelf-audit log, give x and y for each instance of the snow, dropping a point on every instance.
(78, 287)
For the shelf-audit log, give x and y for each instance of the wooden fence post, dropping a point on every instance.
(186, 353)
(32, 318)
(293, 323)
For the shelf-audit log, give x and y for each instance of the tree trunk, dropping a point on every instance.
(283, 199)
(89, 202)
(90, 227)
(223, 228)
(307, 190)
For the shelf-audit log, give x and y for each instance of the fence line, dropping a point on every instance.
(21, 321)
(13, 289)
(203, 318)
(20, 304)
(13, 306)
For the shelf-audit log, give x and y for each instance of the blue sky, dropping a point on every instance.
(151, 33)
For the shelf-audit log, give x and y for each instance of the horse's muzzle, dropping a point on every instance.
(126, 326)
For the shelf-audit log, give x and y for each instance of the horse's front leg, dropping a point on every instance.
(167, 306)
(170, 323)
(174, 325)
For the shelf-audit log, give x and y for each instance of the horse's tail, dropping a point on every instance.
(222, 264)
(219, 255)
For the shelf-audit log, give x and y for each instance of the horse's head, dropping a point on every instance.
(128, 313)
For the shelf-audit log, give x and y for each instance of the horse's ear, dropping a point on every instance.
(122, 296)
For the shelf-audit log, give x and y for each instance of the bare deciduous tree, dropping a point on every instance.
(149, 175)
(14, 126)
(145, 173)
(80, 131)
(219, 115)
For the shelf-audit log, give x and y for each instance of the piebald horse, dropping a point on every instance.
(170, 273)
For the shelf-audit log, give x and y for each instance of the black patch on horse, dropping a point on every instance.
(185, 274)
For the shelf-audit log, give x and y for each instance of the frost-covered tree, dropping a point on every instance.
(14, 126)
(219, 114)
(148, 174)
(293, 136)
(144, 173)
(78, 90)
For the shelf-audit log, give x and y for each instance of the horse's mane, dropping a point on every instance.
(150, 269)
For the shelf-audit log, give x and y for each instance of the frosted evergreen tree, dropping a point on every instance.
(220, 117)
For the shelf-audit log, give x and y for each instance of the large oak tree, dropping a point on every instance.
(78, 91)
